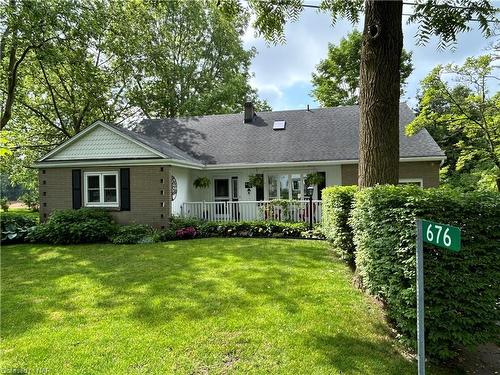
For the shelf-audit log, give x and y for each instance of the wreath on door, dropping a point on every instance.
(173, 187)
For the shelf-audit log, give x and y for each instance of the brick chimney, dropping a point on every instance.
(249, 112)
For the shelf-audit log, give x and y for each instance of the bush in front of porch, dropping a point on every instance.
(96, 225)
(277, 229)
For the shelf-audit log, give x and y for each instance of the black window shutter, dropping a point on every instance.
(259, 190)
(125, 189)
(76, 182)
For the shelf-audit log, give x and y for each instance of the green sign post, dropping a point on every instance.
(440, 235)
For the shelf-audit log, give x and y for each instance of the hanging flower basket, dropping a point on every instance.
(314, 179)
(201, 182)
(256, 180)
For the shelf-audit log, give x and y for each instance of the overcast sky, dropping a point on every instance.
(283, 72)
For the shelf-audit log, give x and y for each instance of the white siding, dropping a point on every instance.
(184, 188)
(333, 174)
(101, 143)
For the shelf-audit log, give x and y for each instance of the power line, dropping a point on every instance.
(407, 14)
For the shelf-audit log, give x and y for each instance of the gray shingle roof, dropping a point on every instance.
(318, 134)
(161, 146)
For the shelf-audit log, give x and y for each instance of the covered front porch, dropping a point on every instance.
(273, 210)
(244, 194)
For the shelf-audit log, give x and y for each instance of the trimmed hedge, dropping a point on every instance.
(85, 225)
(461, 289)
(337, 206)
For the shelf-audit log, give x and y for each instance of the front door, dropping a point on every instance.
(225, 193)
(222, 196)
(221, 189)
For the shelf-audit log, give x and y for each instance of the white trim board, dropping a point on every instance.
(311, 163)
(418, 180)
(186, 164)
(117, 162)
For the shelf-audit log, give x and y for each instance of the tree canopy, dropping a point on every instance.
(336, 80)
(190, 61)
(434, 17)
(65, 64)
(458, 110)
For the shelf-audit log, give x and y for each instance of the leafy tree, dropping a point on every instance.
(458, 111)
(65, 64)
(191, 61)
(9, 191)
(380, 60)
(336, 80)
(62, 83)
(21, 32)
(71, 82)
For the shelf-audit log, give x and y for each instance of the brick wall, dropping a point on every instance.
(150, 197)
(427, 170)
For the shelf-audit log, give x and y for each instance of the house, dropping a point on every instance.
(146, 174)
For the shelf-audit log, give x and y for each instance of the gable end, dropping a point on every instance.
(101, 142)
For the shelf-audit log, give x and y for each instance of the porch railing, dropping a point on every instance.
(253, 210)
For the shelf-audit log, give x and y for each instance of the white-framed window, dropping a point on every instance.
(412, 181)
(101, 189)
(288, 186)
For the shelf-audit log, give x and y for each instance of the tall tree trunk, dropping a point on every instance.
(379, 93)
(6, 105)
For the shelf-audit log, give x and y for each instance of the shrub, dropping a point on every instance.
(337, 206)
(177, 222)
(30, 199)
(15, 226)
(132, 234)
(85, 225)
(243, 228)
(461, 289)
(314, 234)
(82, 214)
(164, 235)
(253, 229)
(185, 233)
(4, 204)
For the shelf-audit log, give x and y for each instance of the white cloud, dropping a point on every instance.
(282, 66)
(283, 72)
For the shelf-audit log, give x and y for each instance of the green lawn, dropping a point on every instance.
(209, 306)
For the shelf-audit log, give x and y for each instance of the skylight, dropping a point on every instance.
(279, 125)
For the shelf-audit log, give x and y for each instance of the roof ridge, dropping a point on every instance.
(241, 113)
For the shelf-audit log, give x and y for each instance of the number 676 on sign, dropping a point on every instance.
(441, 235)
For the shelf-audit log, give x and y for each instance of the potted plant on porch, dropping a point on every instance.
(314, 178)
(201, 182)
